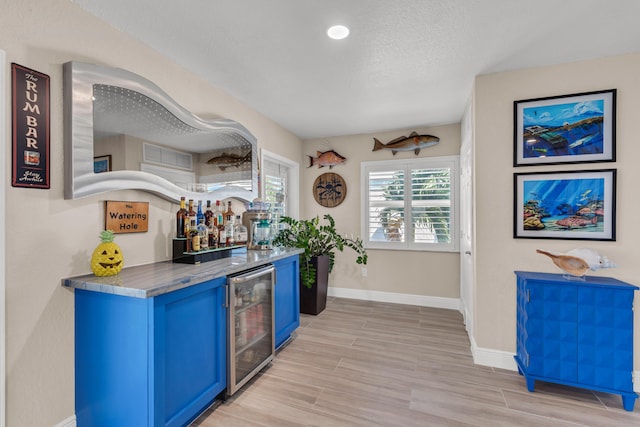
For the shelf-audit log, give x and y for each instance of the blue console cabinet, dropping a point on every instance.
(149, 361)
(576, 332)
(287, 298)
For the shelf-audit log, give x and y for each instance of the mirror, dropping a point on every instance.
(142, 139)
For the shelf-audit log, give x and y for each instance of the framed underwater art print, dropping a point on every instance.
(578, 205)
(576, 128)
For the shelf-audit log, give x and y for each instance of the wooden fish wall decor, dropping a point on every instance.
(413, 142)
(227, 160)
(327, 158)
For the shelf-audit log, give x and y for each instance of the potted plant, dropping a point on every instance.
(320, 242)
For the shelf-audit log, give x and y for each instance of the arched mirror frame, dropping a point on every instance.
(80, 179)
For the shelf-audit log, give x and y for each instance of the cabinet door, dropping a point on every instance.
(111, 356)
(605, 338)
(552, 331)
(190, 351)
(287, 298)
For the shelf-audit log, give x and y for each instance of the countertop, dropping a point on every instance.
(145, 281)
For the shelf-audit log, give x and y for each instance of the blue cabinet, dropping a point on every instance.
(286, 298)
(149, 362)
(577, 332)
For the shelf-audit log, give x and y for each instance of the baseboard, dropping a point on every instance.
(69, 422)
(391, 297)
(490, 357)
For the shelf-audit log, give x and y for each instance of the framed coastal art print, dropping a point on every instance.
(102, 164)
(577, 205)
(576, 128)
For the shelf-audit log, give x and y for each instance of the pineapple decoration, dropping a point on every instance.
(107, 258)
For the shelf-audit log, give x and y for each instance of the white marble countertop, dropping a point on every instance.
(155, 279)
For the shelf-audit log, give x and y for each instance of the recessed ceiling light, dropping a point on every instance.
(338, 32)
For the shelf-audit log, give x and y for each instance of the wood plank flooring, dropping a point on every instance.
(362, 363)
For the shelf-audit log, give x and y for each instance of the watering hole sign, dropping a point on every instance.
(126, 217)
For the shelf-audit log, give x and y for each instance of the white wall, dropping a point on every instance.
(49, 238)
(498, 254)
(411, 273)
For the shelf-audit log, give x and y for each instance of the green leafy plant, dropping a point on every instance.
(316, 239)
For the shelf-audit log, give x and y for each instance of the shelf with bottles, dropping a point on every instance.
(255, 342)
(250, 360)
(247, 306)
(221, 248)
(181, 254)
(248, 296)
(251, 325)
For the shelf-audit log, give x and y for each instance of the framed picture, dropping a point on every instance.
(575, 128)
(565, 205)
(102, 164)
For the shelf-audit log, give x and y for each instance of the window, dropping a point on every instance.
(279, 184)
(410, 204)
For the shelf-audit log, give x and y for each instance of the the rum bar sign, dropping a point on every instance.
(31, 128)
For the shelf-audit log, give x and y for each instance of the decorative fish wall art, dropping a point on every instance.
(227, 160)
(327, 158)
(413, 142)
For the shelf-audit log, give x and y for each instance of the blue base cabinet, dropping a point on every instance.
(286, 298)
(576, 332)
(157, 361)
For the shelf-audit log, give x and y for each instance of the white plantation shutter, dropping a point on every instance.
(276, 185)
(410, 204)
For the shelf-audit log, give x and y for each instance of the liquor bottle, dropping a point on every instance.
(222, 236)
(199, 213)
(229, 234)
(217, 214)
(193, 237)
(203, 235)
(240, 232)
(208, 214)
(229, 215)
(191, 215)
(213, 234)
(181, 220)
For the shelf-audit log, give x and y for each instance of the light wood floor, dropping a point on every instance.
(364, 363)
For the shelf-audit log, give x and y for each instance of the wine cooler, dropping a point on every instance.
(251, 322)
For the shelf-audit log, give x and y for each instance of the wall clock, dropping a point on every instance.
(329, 189)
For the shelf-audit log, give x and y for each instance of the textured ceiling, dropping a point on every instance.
(407, 63)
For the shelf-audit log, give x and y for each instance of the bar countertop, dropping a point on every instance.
(150, 280)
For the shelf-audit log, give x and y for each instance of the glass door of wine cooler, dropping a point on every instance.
(251, 328)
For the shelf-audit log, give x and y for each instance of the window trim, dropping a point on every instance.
(451, 162)
(293, 192)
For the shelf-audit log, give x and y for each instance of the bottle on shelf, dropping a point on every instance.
(203, 235)
(240, 232)
(222, 235)
(199, 213)
(208, 214)
(213, 234)
(193, 237)
(191, 215)
(229, 215)
(181, 220)
(219, 218)
(229, 234)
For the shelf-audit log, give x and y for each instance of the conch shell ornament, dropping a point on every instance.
(578, 261)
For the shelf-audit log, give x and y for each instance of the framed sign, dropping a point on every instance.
(102, 164)
(126, 217)
(565, 205)
(329, 189)
(30, 128)
(575, 128)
